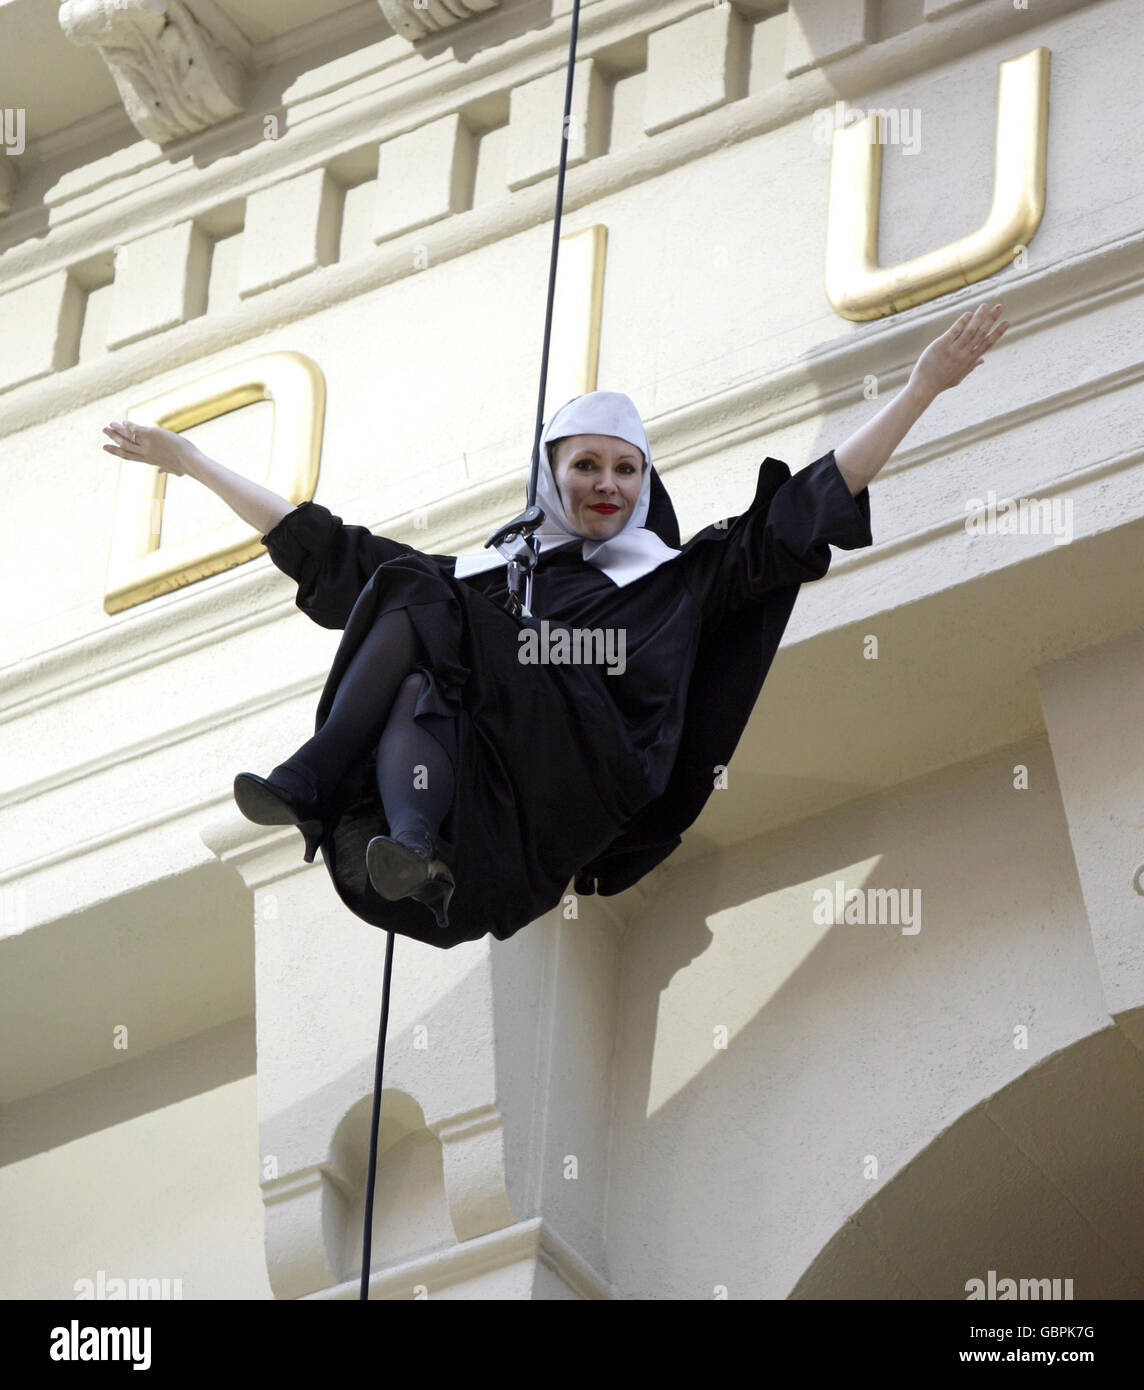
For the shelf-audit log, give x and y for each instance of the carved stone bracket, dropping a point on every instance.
(174, 75)
(413, 19)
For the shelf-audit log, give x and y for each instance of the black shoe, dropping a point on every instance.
(270, 801)
(401, 870)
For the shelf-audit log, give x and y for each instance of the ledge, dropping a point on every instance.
(195, 614)
(822, 384)
(331, 130)
(441, 1269)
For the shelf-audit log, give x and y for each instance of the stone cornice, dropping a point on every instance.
(181, 66)
(455, 235)
(394, 90)
(411, 90)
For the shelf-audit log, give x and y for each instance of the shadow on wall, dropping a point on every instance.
(1039, 1182)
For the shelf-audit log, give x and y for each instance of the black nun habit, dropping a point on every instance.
(564, 771)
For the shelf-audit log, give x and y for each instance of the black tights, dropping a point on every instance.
(375, 700)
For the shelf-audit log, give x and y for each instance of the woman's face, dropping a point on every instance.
(591, 469)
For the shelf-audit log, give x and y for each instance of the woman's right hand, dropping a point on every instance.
(168, 451)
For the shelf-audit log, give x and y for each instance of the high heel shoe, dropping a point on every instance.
(269, 801)
(401, 870)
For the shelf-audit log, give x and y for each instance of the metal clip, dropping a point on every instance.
(514, 539)
(516, 543)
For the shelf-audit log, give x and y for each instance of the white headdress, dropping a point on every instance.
(634, 550)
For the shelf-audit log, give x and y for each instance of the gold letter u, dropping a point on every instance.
(857, 287)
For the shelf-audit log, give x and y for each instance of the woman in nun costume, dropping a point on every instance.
(466, 763)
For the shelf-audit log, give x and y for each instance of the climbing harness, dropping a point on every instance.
(517, 543)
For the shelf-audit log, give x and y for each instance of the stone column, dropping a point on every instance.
(1094, 709)
(492, 1140)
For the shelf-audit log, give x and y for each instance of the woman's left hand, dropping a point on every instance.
(950, 358)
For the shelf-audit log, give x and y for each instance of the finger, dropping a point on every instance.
(978, 322)
(985, 333)
(967, 327)
(990, 319)
(988, 338)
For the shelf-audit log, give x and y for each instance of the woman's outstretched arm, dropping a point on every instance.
(947, 360)
(171, 453)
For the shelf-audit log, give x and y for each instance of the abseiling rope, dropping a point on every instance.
(534, 469)
(367, 1231)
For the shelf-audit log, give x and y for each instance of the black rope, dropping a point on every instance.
(367, 1231)
(514, 573)
(516, 540)
(534, 469)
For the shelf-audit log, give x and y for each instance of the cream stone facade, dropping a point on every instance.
(699, 1088)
